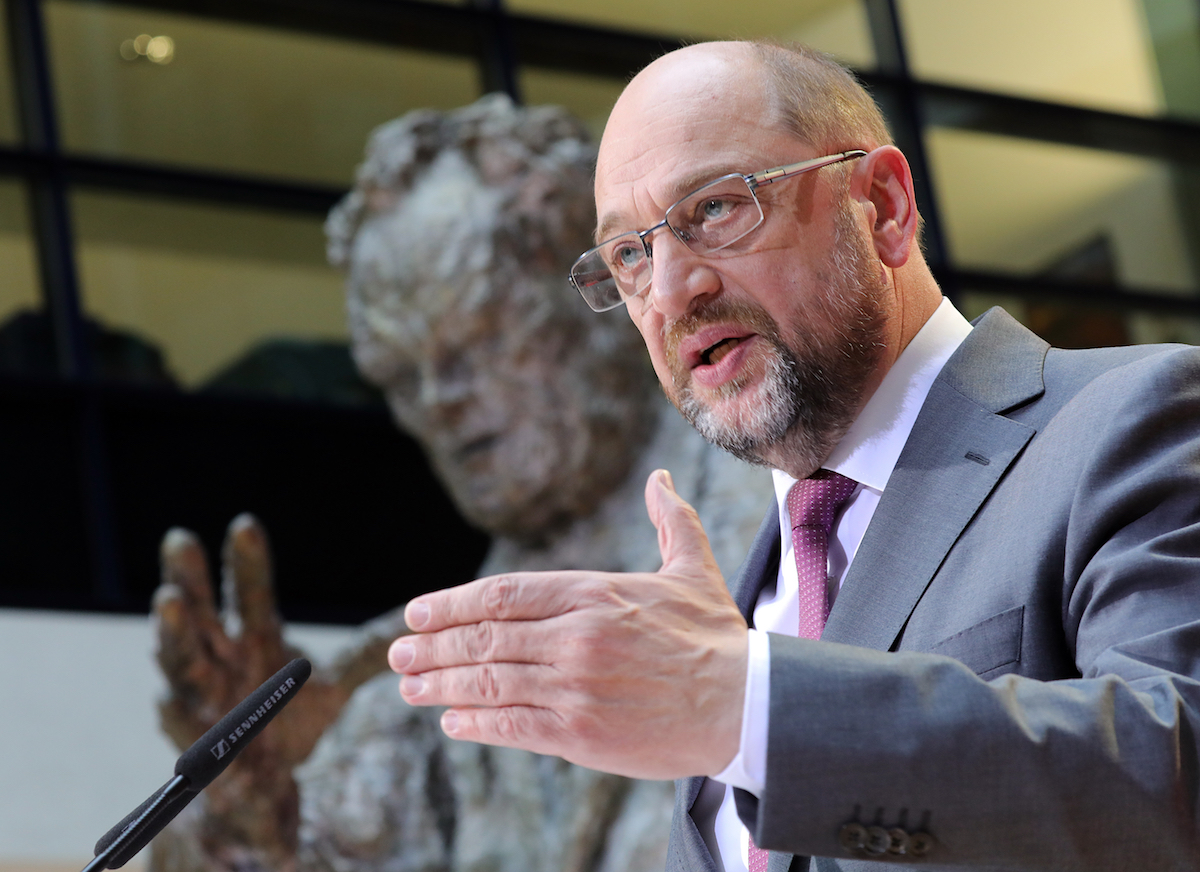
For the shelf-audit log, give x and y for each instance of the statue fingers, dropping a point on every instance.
(189, 631)
(249, 592)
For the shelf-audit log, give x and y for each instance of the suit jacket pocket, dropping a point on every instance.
(990, 648)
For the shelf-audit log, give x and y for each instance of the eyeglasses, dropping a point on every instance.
(707, 220)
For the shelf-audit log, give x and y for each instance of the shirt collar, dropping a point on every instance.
(869, 450)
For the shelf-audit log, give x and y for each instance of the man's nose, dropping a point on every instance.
(679, 277)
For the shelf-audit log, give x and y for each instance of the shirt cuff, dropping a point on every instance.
(748, 769)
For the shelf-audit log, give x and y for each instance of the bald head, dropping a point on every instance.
(694, 99)
(731, 89)
(796, 89)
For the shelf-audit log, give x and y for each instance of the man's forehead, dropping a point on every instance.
(689, 117)
(680, 92)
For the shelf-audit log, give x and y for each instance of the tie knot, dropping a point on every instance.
(814, 501)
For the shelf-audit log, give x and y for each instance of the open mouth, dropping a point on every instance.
(714, 353)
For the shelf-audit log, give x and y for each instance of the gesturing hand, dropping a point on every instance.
(639, 674)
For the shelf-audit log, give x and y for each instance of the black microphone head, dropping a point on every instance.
(212, 752)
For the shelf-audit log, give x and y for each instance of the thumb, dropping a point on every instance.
(682, 541)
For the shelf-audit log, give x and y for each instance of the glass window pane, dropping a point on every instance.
(18, 261)
(588, 98)
(1036, 208)
(1077, 325)
(230, 299)
(836, 26)
(1095, 53)
(233, 97)
(1175, 32)
(8, 109)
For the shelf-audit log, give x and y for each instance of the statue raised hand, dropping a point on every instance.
(247, 818)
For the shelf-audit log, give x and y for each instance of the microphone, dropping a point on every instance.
(212, 752)
(199, 765)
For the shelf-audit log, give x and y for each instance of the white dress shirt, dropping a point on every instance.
(868, 454)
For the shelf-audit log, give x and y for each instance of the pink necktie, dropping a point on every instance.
(812, 504)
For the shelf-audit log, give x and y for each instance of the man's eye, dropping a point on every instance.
(626, 256)
(714, 209)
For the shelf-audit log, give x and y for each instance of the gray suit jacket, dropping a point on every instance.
(1013, 662)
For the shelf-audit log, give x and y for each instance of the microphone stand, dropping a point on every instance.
(175, 788)
(199, 765)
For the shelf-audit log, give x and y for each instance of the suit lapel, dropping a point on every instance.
(959, 449)
(761, 564)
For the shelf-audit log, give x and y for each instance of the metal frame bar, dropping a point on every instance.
(49, 215)
(53, 241)
(199, 185)
(896, 90)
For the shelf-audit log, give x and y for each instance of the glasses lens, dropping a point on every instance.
(717, 215)
(612, 272)
(625, 257)
(594, 281)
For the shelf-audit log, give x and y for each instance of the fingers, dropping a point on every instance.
(542, 731)
(189, 632)
(486, 684)
(248, 580)
(519, 596)
(682, 541)
(533, 729)
(192, 645)
(484, 642)
(184, 566)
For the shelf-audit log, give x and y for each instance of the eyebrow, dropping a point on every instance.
(678, 190)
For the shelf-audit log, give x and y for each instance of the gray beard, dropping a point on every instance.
(767, 423)
(803, 411)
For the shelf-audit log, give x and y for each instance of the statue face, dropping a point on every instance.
(488, 402)
(528, 412)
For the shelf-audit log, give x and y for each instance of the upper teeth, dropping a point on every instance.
(717, 351)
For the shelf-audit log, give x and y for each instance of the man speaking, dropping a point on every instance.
(974, 611)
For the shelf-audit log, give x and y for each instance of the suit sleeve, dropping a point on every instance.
(1096, 767)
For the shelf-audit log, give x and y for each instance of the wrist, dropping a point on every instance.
(747, 767)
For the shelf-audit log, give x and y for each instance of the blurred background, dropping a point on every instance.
(173, 345)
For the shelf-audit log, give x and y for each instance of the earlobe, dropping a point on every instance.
(886, 182)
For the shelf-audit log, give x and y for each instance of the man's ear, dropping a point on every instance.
(883, 181)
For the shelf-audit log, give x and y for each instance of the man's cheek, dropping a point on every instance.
(648, 322)
(660, 359)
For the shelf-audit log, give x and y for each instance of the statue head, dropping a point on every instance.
(457, 238)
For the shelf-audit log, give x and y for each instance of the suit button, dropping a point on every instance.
(919, 844)
(852, 837)
(899, 839)
(878, 841)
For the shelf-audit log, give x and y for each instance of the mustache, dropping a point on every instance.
(717, 311)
